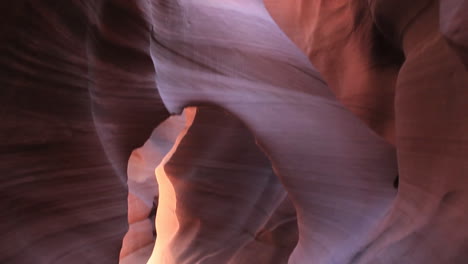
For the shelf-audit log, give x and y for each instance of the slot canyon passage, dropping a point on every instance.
(234, 131)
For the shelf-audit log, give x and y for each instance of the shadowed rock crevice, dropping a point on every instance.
(307, 110)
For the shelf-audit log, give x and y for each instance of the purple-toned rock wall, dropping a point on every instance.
(234, 131)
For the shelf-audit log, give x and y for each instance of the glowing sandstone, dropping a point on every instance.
(277, 163)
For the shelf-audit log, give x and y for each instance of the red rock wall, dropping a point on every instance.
(299, 116)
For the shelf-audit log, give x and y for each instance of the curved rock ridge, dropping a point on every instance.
(234, 131)
(216, 164)
(337, 172)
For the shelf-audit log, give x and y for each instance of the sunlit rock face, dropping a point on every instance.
(234, 131)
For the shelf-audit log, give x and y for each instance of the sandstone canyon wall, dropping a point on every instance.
(234, 131)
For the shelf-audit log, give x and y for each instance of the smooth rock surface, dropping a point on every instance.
(291, 120)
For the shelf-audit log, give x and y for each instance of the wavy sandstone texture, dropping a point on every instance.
(234, 131)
